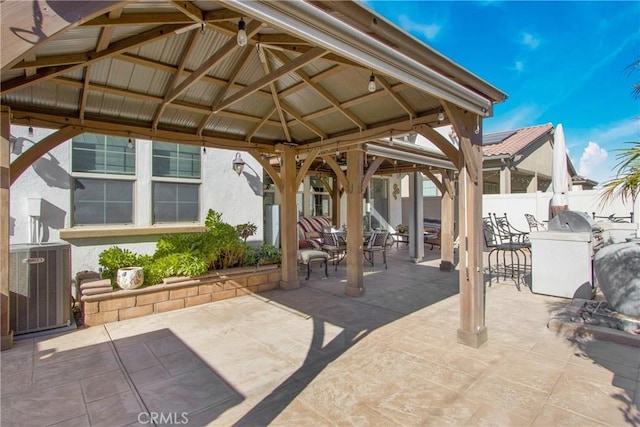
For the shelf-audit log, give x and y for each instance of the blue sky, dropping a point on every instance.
(559, 62)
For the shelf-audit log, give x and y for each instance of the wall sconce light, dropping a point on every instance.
(372, 83)
(238, 164)
(242, 33)
(440, 115)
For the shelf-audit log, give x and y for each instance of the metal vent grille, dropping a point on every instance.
(39, 285)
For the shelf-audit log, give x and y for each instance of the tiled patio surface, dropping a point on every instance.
(313, 357)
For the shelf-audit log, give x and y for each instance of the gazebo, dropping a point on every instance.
(300, 86)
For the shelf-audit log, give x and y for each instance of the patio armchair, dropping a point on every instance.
(534, 224)
(334, 246)
(377, 243)
(508, 233)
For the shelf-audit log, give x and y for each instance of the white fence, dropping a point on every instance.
(537, 204)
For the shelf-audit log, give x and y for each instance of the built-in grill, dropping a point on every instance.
(578, 222)
(562, 257)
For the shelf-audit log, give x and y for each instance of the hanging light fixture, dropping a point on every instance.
(440, 115)
(30, 130)
(372, 83)
(130, 143)
(238, 164)
(204, 149)
(242, 33)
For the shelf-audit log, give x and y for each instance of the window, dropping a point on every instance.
(101, 201)
(176, 160)
(103, 186)
(176, 186)
(174, 202)
(378, 203)
(103, 154)
(320, 198)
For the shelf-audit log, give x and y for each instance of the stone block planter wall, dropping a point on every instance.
(101, 304)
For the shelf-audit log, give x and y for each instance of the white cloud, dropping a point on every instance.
(594, 163)
(529, 40)
(518, 66)
(429, 31)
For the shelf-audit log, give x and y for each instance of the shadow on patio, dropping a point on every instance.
(315, 357)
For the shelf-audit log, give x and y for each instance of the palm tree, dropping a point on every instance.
(626, 183)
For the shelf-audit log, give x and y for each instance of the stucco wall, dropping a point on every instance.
(238, 198)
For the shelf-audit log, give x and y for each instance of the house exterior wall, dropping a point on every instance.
(538, 161)
(238, 198)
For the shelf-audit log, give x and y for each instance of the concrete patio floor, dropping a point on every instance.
(314, 357)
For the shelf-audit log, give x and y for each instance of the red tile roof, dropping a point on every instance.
(515, 141)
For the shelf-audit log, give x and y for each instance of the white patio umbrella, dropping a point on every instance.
(559, 177)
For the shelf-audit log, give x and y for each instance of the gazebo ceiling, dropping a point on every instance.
(174, 71)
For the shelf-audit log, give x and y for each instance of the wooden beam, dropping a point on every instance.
(192, 11)
(396, 97)
(235, 72)
(313, 128)
(84, 93)
(6, 335)
(185, 53)
(355, 261)
(437, 182)
(228, 48)
(274, 94)
(27, 158)
(441, 142)
(288, 218)
(275, 176)
(126, 129)
(371, 170)
(211, 16)
(340, 176)
(264, 120)
(324, 93)
(296, 63)
(89, 58)
(302, 172)
(447, 229)
(25, 27)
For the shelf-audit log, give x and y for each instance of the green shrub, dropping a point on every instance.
(265, 254)
(220, 246)
(114, 258)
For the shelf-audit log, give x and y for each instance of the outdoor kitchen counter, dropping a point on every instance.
(561, 262)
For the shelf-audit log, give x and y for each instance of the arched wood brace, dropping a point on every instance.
(342, 179)
(41, 148)
(373, 167)
(306, 165)
(275, 176)
(441, 142)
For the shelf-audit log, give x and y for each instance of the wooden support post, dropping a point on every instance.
(447, 230)
(335, 202)
(505, 181)
(355, 261)
(6, 334)
(416, 217)
(472, 331)
(288, 219)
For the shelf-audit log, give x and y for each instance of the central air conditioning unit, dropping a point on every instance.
(39, 287)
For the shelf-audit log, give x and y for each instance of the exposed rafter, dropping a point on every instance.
(324, 93)
(274, 93)
(240, 65)
(89, 58)
(191, 43)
